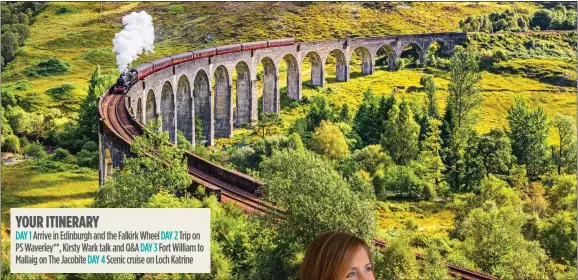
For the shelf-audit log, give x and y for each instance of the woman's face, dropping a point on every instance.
(360, 267)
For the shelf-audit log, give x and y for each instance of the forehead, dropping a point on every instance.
(359, 257)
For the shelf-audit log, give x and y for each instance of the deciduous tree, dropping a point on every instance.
(564, 154)
(329, 141)
(529, 135)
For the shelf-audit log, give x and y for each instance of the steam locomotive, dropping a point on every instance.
(128, 78)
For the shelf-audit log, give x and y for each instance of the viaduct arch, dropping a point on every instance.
(184, 95)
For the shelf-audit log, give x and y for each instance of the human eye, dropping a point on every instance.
(350, 275)
(368, 268)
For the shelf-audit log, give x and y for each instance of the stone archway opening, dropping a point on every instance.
(290, 77)
(151, 107)
(385, 58)
(312, 71)
(139, 114)
(241, 95)
(360, 62)
(336, 67)
(267, 87)
(222, 103)
(108, 167)
(184, 108)
(411, 57)
(202, 108)
(168, 111)
(438, 55)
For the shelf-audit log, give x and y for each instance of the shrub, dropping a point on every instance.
(11, 143)
(399, 63)
(46, 165)
(63, 10)
(23, 142)
(35, 149)
(499, 55)
(402, 180)
(177, 9)
(49, 67)
(90, 146)
(329, 141)
(63, 155)
(87, 158)
(23, 85)
(7, 98)
(183, 143)
(61, 92)
(542, 19)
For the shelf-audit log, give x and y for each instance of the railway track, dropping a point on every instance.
(117, 118)
(115, 115)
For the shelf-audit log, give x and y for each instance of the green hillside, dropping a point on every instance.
(82, 36)
(48, 81)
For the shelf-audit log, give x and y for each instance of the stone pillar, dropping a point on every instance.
(270, 87)
(422, 58)
(276, 93)
(223, 116)
(342, 73)
(293, 80)
(211, 131)
(243, 86)
(254, 106)
(367, 64)
(100, 153)
(192, 120)
(294, 86)
(230, 118)
(391, 62)
(317, 71)
(174, 128)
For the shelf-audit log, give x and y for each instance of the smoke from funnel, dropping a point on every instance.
(137, 36)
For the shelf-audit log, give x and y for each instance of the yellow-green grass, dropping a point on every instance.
(430, 217)
(71, 37)
(542, 67)
(24, 187)
(83, 39)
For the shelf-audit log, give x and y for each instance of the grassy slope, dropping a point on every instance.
(82, 39)
(23, 187)
(499, 92)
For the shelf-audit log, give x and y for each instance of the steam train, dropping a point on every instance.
(128, 78)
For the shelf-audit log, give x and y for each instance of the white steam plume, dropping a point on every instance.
(138, 35)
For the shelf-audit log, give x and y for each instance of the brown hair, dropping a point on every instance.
(329, 254)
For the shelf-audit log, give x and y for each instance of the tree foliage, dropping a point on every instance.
(564, 154)
(401, 133)
(528, 133)
(15, 20)
(429, 85)
(88, 113)
(329, 141)
(367, 121)
(558, 236)
(493, 240)
(312, 194)
(157, 165)
(397, 261)
(460, 117)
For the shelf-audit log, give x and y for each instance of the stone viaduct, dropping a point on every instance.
(203, 88)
